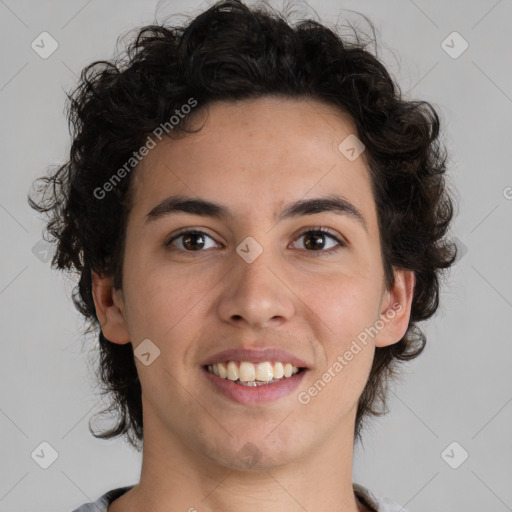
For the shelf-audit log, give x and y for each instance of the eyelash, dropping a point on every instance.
(316, 230)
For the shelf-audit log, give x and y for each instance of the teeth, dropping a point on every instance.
(264, 372)
(223, 372)
(232, 370)
(278, 370)
(249, 374)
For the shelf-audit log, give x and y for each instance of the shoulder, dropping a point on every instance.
(102, 503)
(375, 503)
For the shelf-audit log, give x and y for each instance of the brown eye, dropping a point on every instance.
(315, 240)
(191, 241)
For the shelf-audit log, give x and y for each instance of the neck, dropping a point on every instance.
(174, 476)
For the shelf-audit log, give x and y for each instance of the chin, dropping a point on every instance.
(254, 454)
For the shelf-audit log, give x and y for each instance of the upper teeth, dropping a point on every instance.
(249, 372)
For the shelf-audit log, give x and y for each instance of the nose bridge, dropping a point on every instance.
(255, 293)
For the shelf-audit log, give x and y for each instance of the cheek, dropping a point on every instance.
(345, 314)
(344, 305)
(164, 302)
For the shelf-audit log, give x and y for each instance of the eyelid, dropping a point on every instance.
(186, 231)
(322, 229)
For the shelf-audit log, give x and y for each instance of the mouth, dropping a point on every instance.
(251, 377)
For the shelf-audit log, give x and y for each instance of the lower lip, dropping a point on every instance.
(250, 395)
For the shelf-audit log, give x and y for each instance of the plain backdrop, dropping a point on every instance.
(454, 402)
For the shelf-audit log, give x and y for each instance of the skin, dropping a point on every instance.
(253, 156)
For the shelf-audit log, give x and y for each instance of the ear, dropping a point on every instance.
(109, 309)
(396, 309)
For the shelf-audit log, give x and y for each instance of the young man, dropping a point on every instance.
(258, 221)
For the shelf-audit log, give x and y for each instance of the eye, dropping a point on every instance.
(315, 240)
(192, 240)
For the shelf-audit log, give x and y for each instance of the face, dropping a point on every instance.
(255, 275)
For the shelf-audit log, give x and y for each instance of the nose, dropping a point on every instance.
(256, 294)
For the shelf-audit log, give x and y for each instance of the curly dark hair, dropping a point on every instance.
(228, 52)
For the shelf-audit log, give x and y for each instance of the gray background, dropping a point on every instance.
(458, 390)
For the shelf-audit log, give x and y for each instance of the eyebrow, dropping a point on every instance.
(332, 203)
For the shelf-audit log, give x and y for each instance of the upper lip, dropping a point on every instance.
(255, 356)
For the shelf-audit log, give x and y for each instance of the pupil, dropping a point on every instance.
(316, 244)
(187, 238)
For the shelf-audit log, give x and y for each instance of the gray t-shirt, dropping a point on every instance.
(365, 495)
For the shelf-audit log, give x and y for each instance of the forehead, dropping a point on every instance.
(257, 155)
